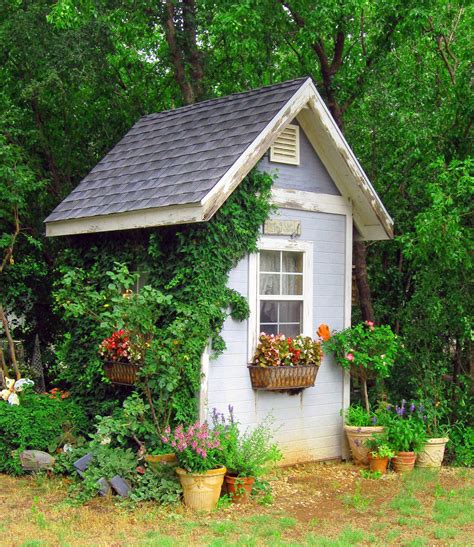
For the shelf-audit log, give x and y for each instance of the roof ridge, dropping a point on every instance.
(232, 96)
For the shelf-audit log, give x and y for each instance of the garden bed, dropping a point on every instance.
(313, 504)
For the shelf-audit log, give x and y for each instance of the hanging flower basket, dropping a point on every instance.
(120, 372)
(282, 363)
(283, 377)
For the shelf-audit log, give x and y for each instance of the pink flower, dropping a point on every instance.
(350, 357)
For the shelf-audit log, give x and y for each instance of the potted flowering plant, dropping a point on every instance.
(198, 451)
(247, 455)
(122, 358)
(283, 363)
(380, 452)
(406, 433)
(366, 351)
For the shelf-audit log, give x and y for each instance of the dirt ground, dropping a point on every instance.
(313, 504)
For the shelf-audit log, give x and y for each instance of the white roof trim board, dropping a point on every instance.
(141, 184)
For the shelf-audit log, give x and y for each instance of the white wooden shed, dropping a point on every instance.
(180, 166)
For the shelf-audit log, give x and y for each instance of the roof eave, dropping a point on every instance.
(142, 218)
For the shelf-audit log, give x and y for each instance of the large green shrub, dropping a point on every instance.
(40, 422)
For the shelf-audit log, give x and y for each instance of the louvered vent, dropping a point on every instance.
(286, 149)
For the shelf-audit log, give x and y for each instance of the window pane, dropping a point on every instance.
(269, 283)
(268, 312)
(268, 329)
(269, 261)
(290, 312)
(292, 262)
(292, 284)
(290, 329)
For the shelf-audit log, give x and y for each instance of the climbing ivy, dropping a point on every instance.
(188, 267)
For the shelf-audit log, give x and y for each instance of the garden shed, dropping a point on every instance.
(180, 166)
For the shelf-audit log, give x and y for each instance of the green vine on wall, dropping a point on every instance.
(188, 268)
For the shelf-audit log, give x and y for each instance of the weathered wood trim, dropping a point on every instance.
(222, 190)
(342, 165)
(309, 201)
(346, 379)
(143, 218)
(204, 386)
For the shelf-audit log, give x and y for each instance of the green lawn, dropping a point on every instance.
(314, 504)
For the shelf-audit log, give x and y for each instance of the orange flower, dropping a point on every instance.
(323, 332)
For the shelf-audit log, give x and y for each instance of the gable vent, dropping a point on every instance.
(286, 149)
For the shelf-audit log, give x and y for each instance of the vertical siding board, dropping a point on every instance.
(308, 426)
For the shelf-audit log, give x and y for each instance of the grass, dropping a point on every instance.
(419, 509)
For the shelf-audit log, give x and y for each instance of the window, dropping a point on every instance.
(281, 292)
(281, 289)
(286, 148)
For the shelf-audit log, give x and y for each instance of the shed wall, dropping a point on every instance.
(310, 175)
(309, 425)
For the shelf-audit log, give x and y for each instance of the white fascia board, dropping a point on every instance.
(144, 218)
(357, 182)
(232, 178)
(286, 198)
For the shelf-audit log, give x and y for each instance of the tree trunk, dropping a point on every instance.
(362, 281)
(11, 345)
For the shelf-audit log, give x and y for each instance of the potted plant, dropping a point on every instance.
(432, 452)
(199, 454)
(246, 455)
(360, 426)
(380, 452)
(365, 350)
(406, 434)
(121, 358)
(282, 363)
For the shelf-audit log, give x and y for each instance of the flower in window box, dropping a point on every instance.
(279, 350)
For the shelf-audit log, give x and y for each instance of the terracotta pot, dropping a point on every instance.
(239, 488)
(404, 462)
(160, 459)
(357, 437)
(201, 490)
(378, 464)
(432, 454)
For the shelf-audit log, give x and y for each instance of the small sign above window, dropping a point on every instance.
(282, 227)
(286, 149)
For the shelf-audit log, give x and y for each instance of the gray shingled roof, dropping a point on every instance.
(175, 157)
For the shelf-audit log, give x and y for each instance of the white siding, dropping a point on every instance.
(308, 425)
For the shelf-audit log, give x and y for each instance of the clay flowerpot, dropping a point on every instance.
(160, 459)
(239, 488)
(201, 490)
(432, 453)
(357, 437)
(404, 462)
(378, 464)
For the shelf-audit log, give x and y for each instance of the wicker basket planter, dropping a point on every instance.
(282, 378)
(119, 372)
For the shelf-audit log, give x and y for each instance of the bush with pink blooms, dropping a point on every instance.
(197, 448)
(365, 350)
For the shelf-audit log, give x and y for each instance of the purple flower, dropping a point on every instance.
(412, 408)
(389, 407)
(374, 419)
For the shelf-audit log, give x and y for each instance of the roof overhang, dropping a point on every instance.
(370, 217)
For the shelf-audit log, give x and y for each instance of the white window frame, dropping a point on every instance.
(278, 244)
